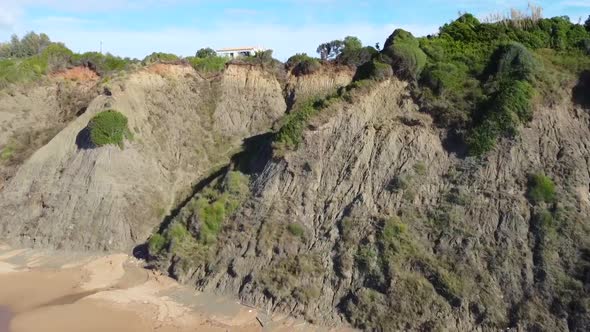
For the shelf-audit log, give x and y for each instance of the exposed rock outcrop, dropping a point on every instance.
(401, 234)
(71, 196)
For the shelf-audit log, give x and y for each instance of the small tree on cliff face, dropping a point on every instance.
(587, 24)
(330, 50)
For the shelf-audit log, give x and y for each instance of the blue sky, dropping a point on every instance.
(136, 28)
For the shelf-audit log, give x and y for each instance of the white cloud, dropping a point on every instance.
(9, 15)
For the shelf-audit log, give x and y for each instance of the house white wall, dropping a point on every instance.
(238, 52)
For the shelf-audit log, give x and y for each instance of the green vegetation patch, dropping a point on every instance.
(6, 153)
(296, 276)
(208, 64)
(103, 64)
(296, 230)
(480, 79)
(156, 243)
(293, 125)
(160, 57)
(109, 127)
(204, 215)
(301, 64)
(405, 53)
(541, 189)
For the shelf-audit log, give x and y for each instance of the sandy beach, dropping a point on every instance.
(56, 291)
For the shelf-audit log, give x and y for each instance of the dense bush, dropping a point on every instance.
(510, 107)
(57, 56)
(541, 189)
(54, 56)
(374, 70)
(302, 64)
(407, 58)
(156, 243)
(208, 64)
(206, 53)
(513, 61)
(102, 63)
(479, 78)
(109, 127)
(293, 125)
(357, 56)
(206, 214)
(218, 203)
(160, 57)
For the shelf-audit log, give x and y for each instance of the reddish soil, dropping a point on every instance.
(81, 74)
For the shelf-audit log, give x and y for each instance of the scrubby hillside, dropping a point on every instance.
(451, 196)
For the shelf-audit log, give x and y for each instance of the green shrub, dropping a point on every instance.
(393, 228)
(302, 64)
(514, 61)
(291, 131)
(420, 168)
(102, 63)
(177, 233)
(366, 258)
(463, 28)
(399, 183)
(356, 57)
(444, 78)
(541, 189)
(54, 57)
(262, 58)
(156, 243)
(109, 127)
(219, 202)
(407, 58)
(160, 57)
(206, 53)
(509, 108)
(296, 230)
(208, 64)
(374, 70)
(6, 153)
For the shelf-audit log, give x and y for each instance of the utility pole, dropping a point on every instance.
(101, 47)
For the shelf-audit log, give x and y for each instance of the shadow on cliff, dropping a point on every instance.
(581, 92)
(454, 143)
(83, 140)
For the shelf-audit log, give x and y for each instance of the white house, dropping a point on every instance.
(238, 52)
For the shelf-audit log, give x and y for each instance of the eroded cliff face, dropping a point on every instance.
(69, 194)
(374, 221)
(317, 85)
(31, 115)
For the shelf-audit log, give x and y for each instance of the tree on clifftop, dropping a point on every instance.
(206, 53)
(330, 50)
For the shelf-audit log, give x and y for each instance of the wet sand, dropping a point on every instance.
(59, 292)
(5, 317)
